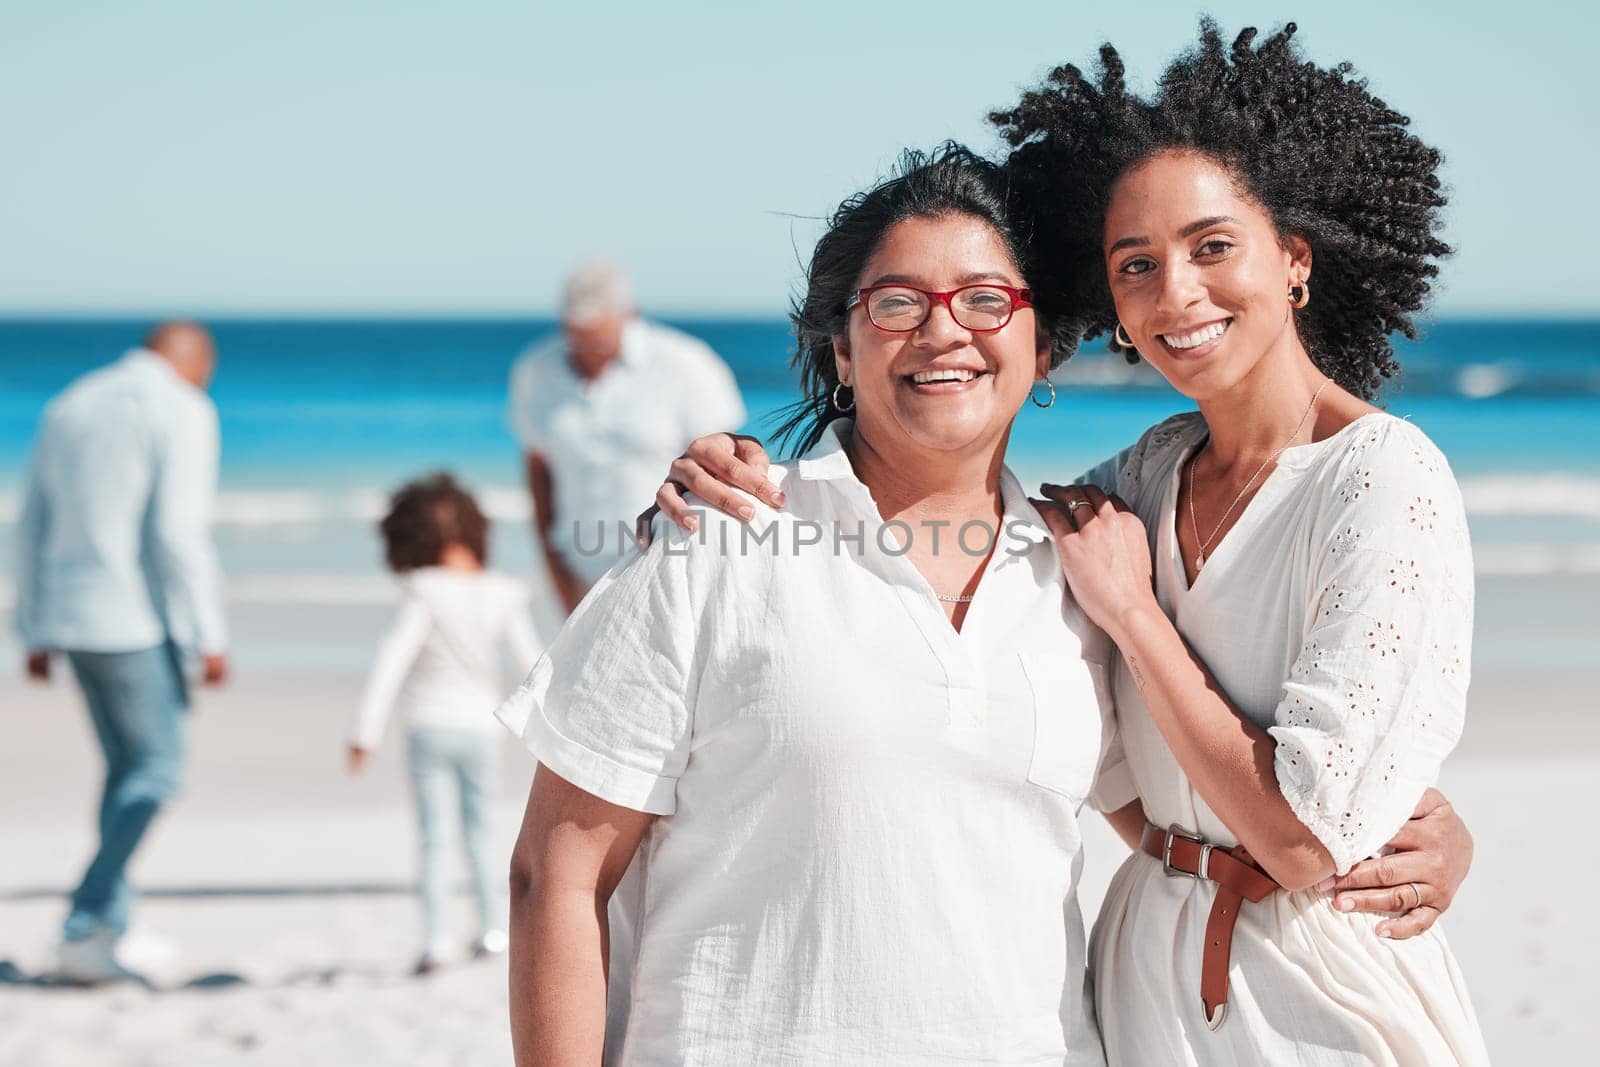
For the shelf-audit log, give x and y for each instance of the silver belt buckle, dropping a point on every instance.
(1176, 831)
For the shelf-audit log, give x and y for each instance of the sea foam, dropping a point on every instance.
(1556, 495)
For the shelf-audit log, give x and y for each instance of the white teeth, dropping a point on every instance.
(926, 376)
(1199, 337)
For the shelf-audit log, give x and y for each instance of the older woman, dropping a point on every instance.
(844, 748)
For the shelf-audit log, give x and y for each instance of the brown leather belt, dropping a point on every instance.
(1237, 878)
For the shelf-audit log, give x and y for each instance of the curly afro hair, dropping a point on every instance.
(1327, 159)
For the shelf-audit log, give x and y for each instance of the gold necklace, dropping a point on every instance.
(1201, 546)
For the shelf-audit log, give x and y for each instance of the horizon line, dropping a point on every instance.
(56, 316)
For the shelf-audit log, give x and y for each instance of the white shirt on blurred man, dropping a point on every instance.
(115, 534)
(600, 411)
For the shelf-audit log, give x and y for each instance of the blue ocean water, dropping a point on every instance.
(320, 418)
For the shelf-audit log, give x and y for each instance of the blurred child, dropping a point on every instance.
(441, 664)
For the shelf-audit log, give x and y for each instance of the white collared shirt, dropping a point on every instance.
(868, 849)
(114, 540)
(607, 441)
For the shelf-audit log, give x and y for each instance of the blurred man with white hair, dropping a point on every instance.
(600, 410)
(116, 573)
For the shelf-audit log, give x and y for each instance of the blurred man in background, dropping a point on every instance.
(601, 410)
(116, 572)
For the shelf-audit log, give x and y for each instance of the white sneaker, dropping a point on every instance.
(490, 943)
(92, 960)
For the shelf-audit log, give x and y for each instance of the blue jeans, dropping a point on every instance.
(136, 702)
(446, 764)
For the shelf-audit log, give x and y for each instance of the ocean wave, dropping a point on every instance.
(1510, 374)
(276, 588)
(1532, 496)
(1535, 560)
(273, 588)
(1566, 496)
(307, 508)
(1530, 560)
(1487, 496)
(250, 508)
(1483, 380)
(312, 587)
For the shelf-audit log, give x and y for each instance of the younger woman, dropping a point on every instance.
(1296, 672)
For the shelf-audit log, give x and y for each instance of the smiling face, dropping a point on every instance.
(940, 387)
(1199, 273)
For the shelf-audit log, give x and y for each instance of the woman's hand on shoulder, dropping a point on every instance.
(712, 467)
(1104, 551)
(1417, 882)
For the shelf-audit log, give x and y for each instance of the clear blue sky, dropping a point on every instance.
(204, 157)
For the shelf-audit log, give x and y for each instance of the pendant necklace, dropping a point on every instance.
(1201, 546)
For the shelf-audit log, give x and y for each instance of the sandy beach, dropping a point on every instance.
(287, 883)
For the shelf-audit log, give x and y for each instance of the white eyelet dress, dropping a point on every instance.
(1337, 614)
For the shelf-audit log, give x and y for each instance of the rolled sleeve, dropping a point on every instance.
(609, 706)
(1113, 781)
(1113, 787)
(593, 771)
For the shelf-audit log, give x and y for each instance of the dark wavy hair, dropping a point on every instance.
(950, 180)
(1328, 160)
(425, 516)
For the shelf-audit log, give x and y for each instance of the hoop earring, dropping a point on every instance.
(838, 406)
(1299, 295)
(1120, 336)
(1049, 385)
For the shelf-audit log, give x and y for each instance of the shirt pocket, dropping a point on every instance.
(1066, 722)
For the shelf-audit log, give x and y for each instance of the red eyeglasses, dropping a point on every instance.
(903, 308)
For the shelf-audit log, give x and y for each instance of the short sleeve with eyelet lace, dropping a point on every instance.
(1376, 697)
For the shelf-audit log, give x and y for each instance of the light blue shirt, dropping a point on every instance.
(115, 550)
